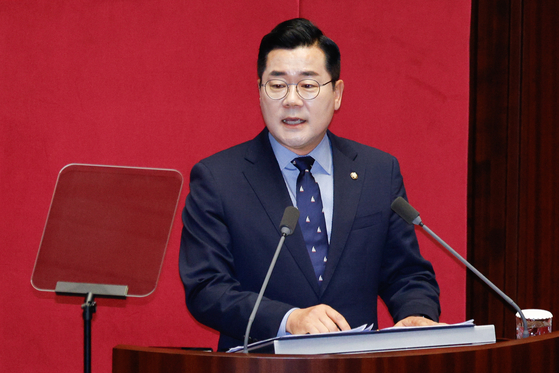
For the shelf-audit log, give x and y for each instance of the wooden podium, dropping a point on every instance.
(535, 354)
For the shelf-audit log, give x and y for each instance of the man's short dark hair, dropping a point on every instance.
(299, 32)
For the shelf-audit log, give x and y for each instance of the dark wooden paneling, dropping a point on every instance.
(492, 201)
(512, 161)
(538, 266)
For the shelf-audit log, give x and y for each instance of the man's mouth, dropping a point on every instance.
(293, 121)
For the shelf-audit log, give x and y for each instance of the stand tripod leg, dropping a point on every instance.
(88, 310)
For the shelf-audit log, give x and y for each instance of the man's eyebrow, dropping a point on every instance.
(277, 73)
(308, 73)
(283, 73)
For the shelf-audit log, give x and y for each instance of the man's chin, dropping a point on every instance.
(300, 146)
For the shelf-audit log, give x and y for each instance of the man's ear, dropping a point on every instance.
(338, 93)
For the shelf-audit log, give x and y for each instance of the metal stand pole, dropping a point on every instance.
(89, 308)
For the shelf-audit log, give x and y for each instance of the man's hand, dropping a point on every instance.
(316, 319)
(416, 321)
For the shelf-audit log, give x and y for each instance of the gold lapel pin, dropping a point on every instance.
(354, 175)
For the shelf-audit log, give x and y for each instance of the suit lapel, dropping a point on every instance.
(348, 184)
(264, 176)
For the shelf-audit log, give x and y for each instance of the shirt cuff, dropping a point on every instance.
(283, 325)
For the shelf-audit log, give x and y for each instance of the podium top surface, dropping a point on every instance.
(534, 354)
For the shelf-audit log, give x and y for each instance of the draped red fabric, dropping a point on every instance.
(165, 83)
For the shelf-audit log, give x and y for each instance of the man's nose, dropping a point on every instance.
(292, 98)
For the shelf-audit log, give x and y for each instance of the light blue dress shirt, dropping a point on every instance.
(323, 173)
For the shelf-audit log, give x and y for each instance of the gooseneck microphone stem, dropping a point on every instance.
(261, 294)
(411, 216)
(287, 226)
(525, 333)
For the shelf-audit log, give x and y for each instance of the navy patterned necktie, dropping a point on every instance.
(311, 218)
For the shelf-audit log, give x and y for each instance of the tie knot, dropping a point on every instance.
(303, 163)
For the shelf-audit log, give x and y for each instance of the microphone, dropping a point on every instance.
(287, 226)
(289, 220)
(401, 207)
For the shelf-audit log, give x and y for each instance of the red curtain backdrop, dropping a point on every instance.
(164, 84)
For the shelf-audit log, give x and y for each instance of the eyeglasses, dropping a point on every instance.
(307, 89)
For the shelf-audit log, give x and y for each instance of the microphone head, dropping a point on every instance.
(289, 220)
(401, 207)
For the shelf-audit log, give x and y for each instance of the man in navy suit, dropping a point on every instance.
(237, 198)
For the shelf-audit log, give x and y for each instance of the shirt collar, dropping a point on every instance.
(322, 155)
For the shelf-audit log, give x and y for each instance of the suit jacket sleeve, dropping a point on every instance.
(214, 296)
(408, 285)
